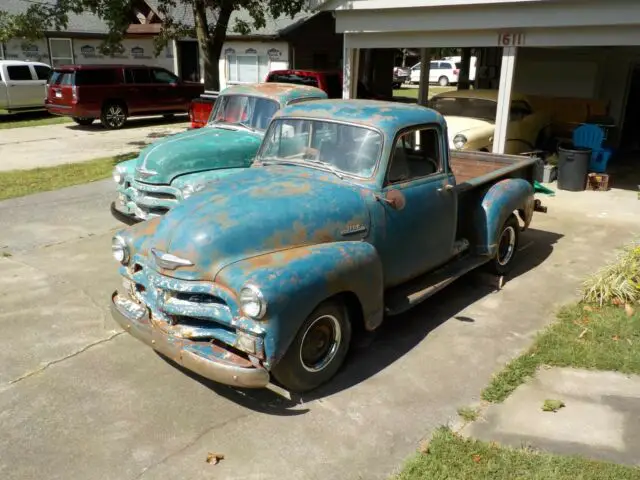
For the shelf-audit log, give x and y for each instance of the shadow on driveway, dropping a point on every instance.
(372, 352)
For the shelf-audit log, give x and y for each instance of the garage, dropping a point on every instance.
(576, 62)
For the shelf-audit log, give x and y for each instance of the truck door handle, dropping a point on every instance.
(447, 187)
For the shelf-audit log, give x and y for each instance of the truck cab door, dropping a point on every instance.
(420, 224)
(23, 88)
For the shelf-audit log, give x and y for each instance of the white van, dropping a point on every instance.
(444, 71)
(23, 85)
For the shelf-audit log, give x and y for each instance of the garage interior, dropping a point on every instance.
(578, 61)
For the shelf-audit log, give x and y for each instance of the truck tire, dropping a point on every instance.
(507, 247)
(114, 115)
(443, 81)
(85, 122)
(317, 351)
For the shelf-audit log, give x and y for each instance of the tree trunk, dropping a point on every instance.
(211, 43)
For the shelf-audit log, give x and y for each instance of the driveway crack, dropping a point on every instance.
(66, 357)
(190, 444)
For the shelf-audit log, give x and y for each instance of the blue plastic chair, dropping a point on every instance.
(591, 136)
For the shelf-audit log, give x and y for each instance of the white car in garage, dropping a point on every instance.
(23, 85)
(444, 72)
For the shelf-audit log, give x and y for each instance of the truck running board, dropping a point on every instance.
(402, 298)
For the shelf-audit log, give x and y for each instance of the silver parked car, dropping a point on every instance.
(23, 85)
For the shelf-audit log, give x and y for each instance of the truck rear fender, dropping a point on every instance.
(295, 281)
(498, 202)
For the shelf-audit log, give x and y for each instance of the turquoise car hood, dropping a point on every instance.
(256, 211)
(208, 148)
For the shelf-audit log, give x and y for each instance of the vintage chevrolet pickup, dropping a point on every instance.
(352, 210)
(175, 167)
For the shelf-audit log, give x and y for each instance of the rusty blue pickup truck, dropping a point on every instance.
(171, 169)
(352, 211)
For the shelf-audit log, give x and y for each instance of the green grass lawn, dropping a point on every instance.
(17, 183)
(589, 337)
(30, 119)
(453, 457)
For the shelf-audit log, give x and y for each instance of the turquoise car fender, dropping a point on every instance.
(499, 201)
(296, 280)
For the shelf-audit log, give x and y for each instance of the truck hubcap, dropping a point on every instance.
(320, 343)
(115, 116)
(507, 246)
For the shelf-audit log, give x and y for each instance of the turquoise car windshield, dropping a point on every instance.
(254, 112)
(346, 148)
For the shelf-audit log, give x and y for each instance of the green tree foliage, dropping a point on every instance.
(210, 24)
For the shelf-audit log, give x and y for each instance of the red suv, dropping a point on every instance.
(114, 92)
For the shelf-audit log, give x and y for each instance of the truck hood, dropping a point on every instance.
(208, 148)
(471, 128)
(257, 211)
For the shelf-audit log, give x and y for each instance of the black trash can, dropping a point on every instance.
(573, 166)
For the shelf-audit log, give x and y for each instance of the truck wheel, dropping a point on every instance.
(85, 122)
(317, 351)
(443, 81)
(114, 115)
(507, 247)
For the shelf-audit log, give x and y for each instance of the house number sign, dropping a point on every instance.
(510, 39)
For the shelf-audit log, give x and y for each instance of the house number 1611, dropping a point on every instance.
(510, 39)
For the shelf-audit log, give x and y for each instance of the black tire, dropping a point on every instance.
(508, 239)
(114, 115)
(443, 81)
(329, 322)
(85, 122)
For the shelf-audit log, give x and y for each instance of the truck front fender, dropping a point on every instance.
(500, 201)
(295, 281)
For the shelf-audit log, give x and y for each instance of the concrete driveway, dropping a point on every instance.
(49, 145)
(80, 399)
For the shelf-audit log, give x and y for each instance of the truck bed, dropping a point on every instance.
(476, 168)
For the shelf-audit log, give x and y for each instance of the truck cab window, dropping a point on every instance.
(416, 154)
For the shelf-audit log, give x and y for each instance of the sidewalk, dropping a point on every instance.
(600, 419)
(50, 145)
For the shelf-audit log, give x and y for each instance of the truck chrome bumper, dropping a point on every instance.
(204, 358)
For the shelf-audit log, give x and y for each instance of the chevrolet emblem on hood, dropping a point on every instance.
(168, 261)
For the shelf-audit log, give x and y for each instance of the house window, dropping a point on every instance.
(247, 68)
(61, 51)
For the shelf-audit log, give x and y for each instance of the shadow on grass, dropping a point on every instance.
(372, 352)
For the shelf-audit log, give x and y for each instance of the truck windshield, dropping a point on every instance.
(465, 107)
(254, 112)
(346, 148)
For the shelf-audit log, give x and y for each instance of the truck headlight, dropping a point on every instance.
(120, 250)
(118, 175)
(252, 302)
(459, 141)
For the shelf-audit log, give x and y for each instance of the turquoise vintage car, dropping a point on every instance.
(170, 170)
(353, 209)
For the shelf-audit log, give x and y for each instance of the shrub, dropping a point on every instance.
(617, 283)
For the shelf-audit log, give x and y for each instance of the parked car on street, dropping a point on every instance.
(471, 118)
(113, 93)
(352, 210)
(443, 72)
(400, 76)
(173, 168)
(22, 85)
